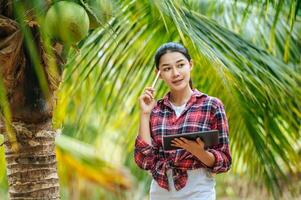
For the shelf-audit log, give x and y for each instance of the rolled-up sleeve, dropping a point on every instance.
(144, 154)
(221, 151)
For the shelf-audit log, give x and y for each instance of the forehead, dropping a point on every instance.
(171, 58)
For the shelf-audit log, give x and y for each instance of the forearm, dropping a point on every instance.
(144, 128)
(145, 155)
(206, 157)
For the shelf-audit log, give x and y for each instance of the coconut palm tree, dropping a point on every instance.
(244, 53)
(30, 75)
(29, 137)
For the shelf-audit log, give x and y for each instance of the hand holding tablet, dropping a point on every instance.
(210, 138)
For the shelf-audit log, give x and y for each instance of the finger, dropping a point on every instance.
(184, 140)
(150, 89)
(149, 93)
(176, 142)
(176, 145)
(199, 141)
(146, 98)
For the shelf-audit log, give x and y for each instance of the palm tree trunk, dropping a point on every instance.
(32, 171)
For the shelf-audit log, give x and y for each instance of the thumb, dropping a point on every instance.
(199, 141)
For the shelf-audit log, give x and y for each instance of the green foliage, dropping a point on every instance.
(100, 11)
(87, 161)
(3, 179)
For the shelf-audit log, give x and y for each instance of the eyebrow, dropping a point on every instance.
(180, 60)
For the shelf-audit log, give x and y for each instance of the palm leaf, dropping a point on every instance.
(83, 159)
(3, 177)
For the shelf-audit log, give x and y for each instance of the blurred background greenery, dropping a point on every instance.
(247, 53)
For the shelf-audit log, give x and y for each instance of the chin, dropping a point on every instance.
(179, 87)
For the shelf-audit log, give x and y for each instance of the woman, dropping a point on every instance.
(185, 173)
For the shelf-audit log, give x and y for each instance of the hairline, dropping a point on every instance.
(171, 51)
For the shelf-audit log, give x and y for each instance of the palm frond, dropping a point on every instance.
(257, 24)
(6, 117)
(84, 159)
(3, 177)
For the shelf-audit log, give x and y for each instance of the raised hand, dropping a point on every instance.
(147, 101)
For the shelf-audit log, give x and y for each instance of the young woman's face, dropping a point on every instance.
(175, 70)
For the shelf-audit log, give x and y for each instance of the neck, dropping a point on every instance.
(178, 98)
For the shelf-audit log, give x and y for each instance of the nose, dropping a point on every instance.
(175, 72)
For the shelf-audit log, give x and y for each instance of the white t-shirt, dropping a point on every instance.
(178, 109)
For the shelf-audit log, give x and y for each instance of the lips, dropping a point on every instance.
(177, 81)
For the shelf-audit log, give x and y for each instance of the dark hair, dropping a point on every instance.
(171, 47)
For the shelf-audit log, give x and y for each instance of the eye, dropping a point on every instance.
(181, 65)
(166, 69)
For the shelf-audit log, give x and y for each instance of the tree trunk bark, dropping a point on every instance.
(32, 172)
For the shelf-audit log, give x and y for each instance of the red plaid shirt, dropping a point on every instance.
(201, 113)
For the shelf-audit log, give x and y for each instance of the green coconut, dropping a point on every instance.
(67, 21)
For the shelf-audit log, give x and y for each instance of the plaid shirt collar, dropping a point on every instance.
(195, 94)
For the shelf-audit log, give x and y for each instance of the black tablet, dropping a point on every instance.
(210, 138)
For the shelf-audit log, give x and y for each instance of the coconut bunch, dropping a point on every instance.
(70, 21)
(37, 36)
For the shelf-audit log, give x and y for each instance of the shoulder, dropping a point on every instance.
(214, 101)
(209, 103)
(209, 100)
